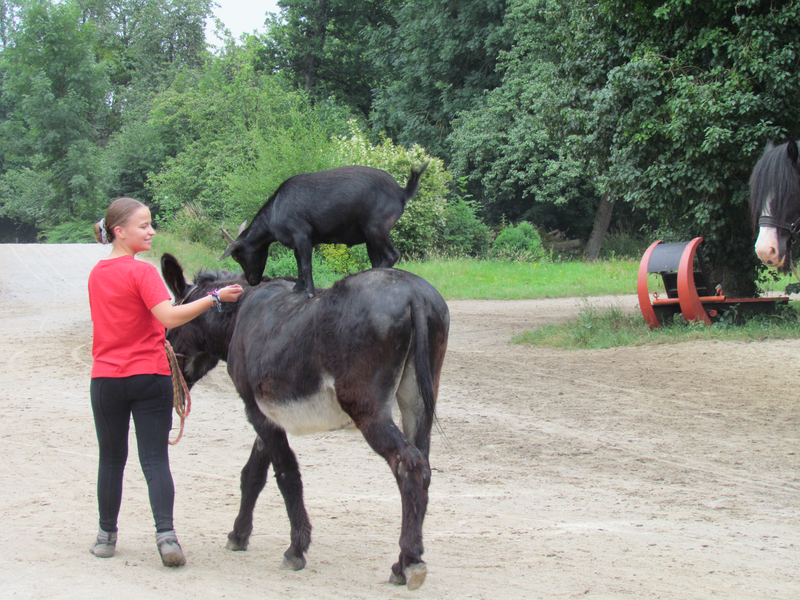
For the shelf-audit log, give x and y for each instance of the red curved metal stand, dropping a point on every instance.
(691, 307)
(641, 289)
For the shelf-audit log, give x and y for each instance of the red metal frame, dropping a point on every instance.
(691, 303)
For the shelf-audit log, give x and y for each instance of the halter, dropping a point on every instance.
(766, 221)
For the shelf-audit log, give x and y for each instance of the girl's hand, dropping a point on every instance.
(230, 293)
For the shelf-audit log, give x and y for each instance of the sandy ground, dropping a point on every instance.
(660, 472)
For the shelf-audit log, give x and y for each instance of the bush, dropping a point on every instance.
(343, 260)
(522, 243)
(463, 234)
(69, 232)
(192, 224)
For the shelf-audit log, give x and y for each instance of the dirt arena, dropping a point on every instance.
(657, 472)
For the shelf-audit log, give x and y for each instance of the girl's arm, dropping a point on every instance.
(174, 316)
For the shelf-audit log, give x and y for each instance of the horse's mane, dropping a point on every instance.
(774, 180)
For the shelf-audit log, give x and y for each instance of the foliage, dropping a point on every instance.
(522, 242)
(463, 233)
(436, 61)
(69, 232)
(418, 230)
(503, 146)
(55, 90)
(24, 194)
(671, 102)
(343, 260)
(322, 46)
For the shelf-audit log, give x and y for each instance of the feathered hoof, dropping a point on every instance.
(412, 576)
(292, 562)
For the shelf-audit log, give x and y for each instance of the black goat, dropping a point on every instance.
(347, 205)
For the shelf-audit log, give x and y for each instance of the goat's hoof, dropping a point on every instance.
(292, 562)
(412, 576)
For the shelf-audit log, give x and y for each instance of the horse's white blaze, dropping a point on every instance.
(767, 241)
(318, 412)
(767, 246)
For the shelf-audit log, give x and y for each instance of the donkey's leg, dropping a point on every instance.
(253, 479)
(287, 474)
(413, 476)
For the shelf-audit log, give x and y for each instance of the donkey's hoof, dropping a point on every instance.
(235, 544)
(292, 562)
(413, 575)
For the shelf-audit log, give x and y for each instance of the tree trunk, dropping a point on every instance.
(601, 222)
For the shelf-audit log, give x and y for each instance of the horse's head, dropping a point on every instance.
(202, 342)
(775, 202)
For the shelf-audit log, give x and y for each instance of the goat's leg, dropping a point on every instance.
(381, 252)
(302, 253)
(253, 479)
(286, 472)
(413, 476)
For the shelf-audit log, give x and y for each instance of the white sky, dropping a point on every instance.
(241, 16)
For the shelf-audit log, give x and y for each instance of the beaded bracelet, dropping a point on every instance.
(215, 300)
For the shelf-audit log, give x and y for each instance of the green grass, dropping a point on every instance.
(596, 328)
(469, 279)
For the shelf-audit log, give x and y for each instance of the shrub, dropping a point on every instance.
(69, 232)
(343, 260)
(463, 234)
(521, 243)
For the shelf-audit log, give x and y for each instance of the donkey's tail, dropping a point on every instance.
(412, 187)
(429, 349)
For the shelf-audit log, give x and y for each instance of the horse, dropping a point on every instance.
(347, 205)
(775, 202)
(302, 366)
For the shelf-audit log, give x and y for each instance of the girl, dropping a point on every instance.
(130, 308)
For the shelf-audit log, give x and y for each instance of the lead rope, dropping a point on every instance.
(181, 398)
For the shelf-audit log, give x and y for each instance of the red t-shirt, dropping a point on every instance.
(127, 338)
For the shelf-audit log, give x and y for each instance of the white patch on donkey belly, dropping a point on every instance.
(310, 414)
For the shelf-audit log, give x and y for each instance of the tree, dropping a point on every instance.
(322, 46)
(672, 103)
(436, 62)
(504, 147)
(55, 92)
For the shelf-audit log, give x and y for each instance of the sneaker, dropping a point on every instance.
(170, 549)
(104, 545)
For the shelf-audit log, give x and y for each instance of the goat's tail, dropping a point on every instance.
(413, 180)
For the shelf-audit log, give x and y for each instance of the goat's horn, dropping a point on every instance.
(242, 226)
(227, 235)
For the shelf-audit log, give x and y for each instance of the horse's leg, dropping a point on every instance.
(253, 479)
(286, 472)
(413, 476)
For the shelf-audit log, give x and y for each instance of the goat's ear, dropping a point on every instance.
(791, 150)
(173, 274)
(228, 251)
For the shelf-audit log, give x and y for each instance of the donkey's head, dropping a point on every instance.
(202, 342)
(775, 201)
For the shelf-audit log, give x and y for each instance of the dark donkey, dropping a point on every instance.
(304, 366)
(347, 205)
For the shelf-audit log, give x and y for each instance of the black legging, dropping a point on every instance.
(149, 399)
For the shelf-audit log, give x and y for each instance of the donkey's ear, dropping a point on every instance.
(791, 150)
(172, 272)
